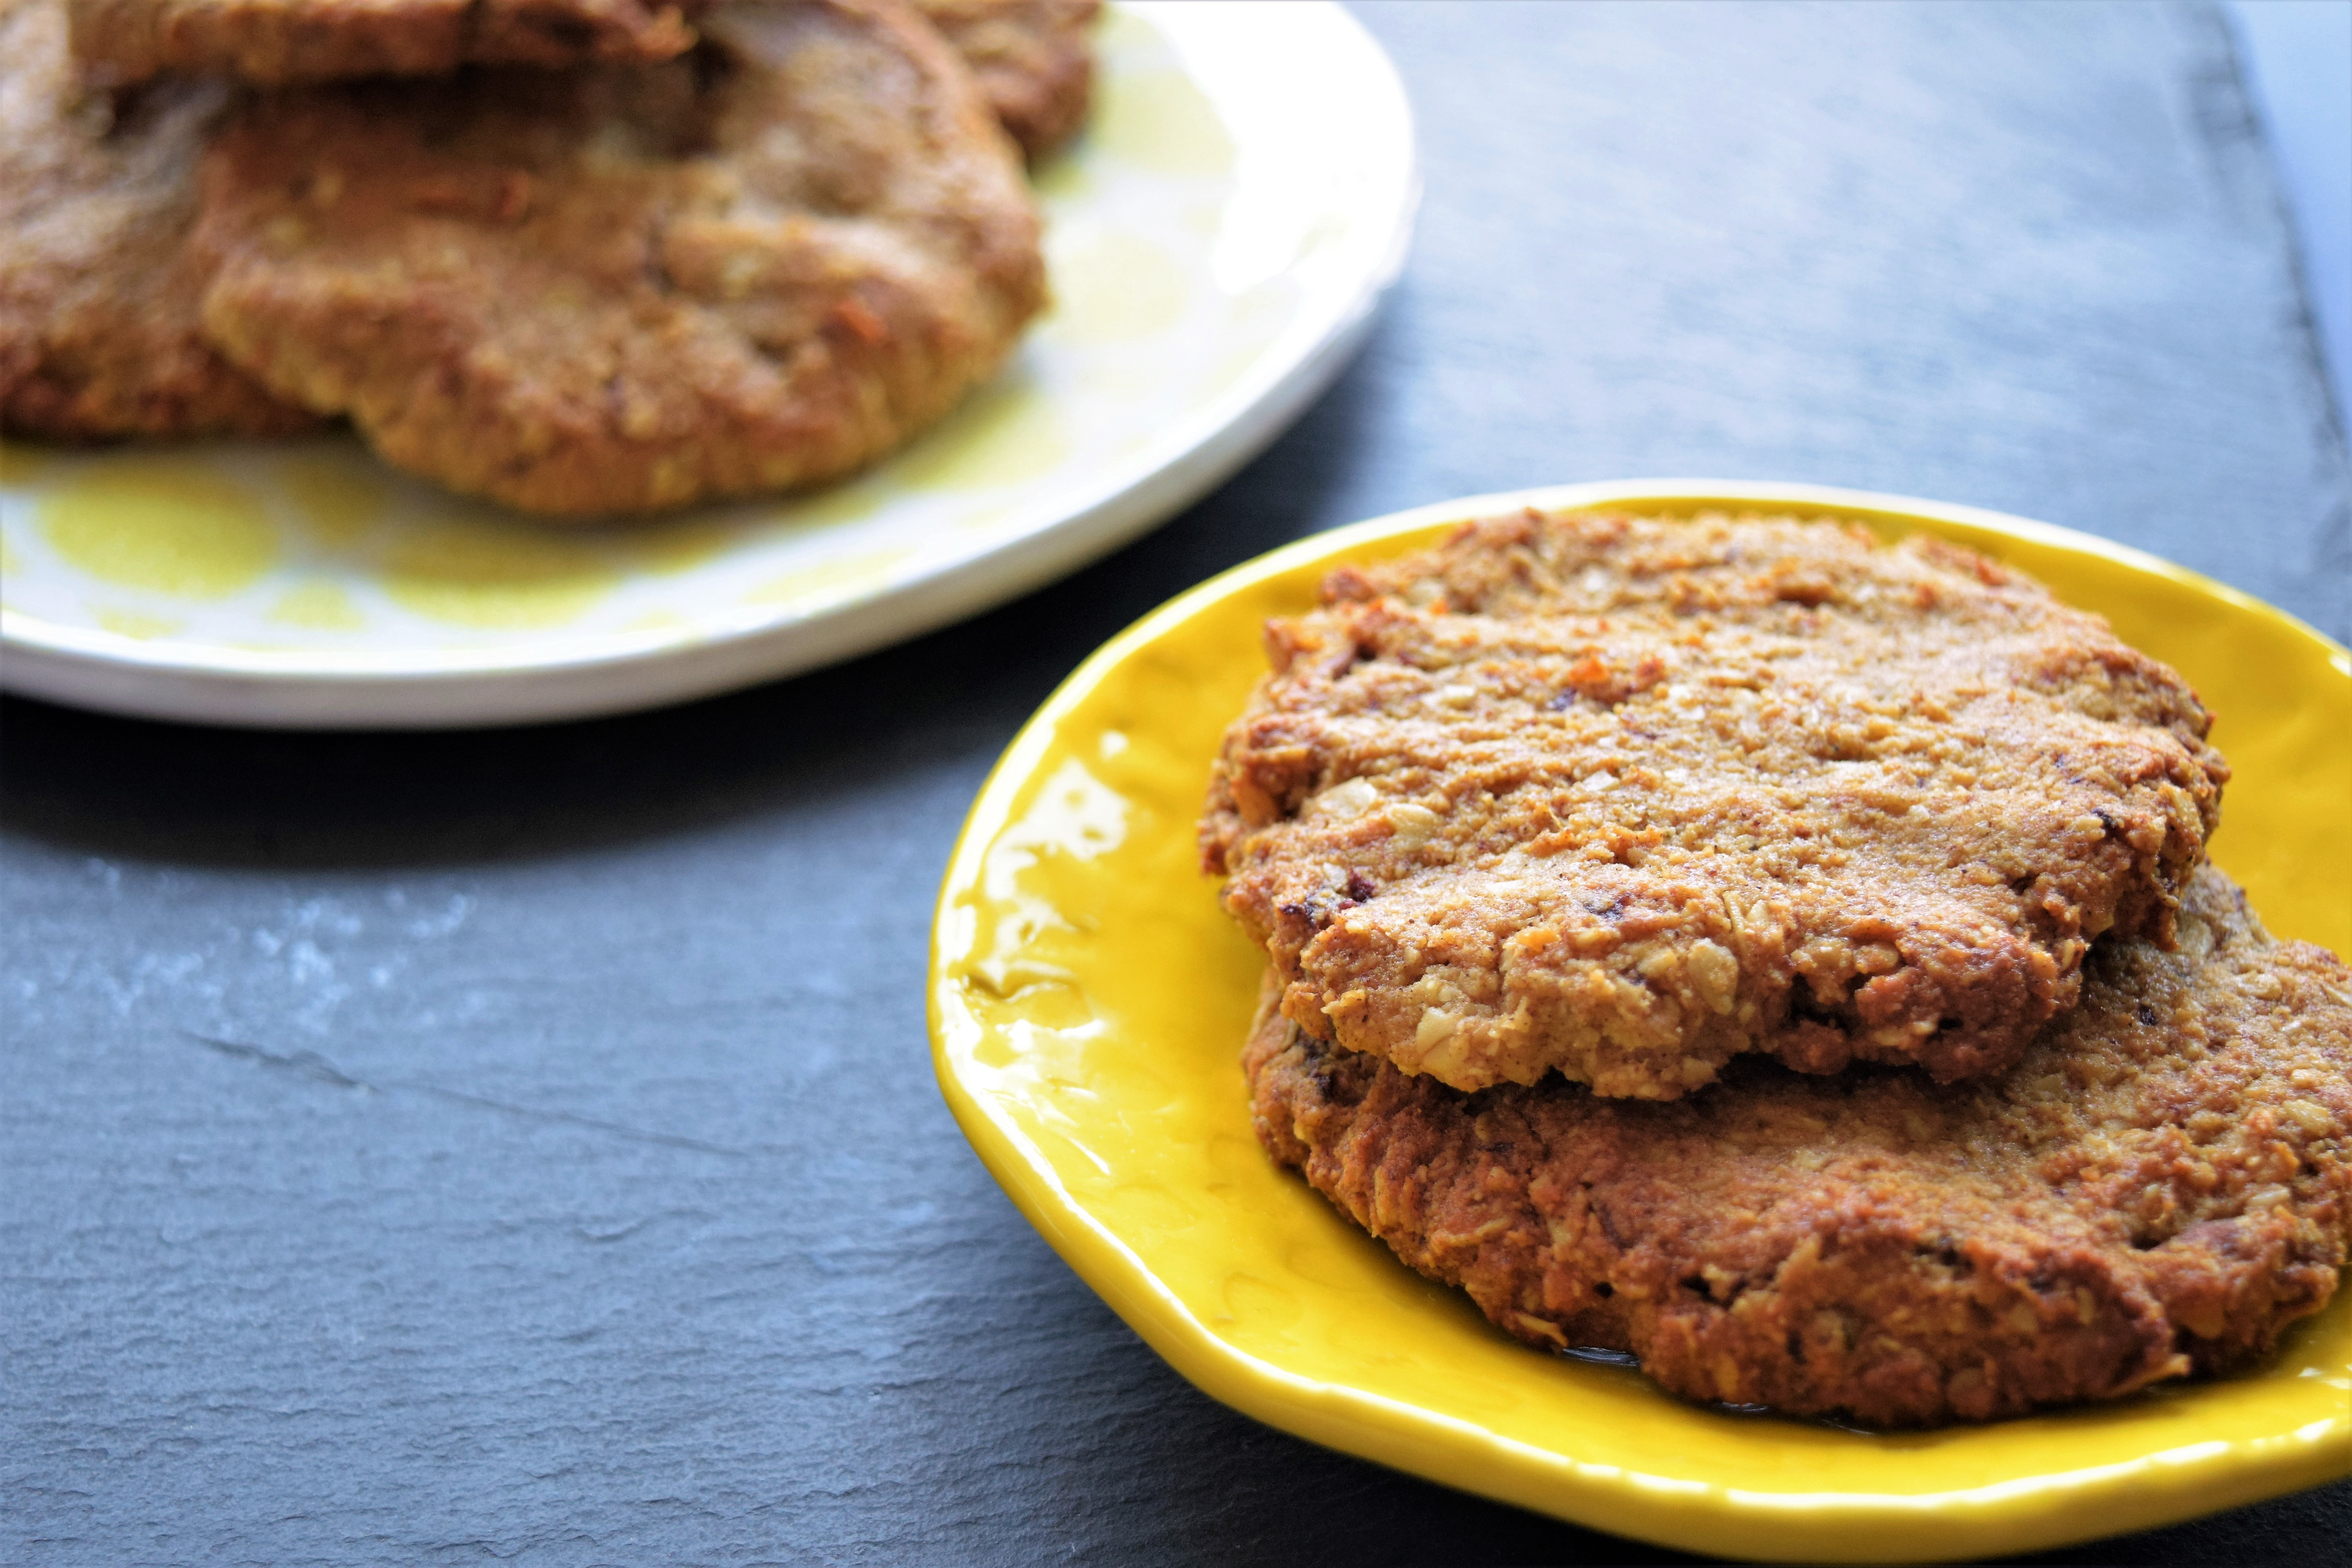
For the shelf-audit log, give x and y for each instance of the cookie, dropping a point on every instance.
(1033, 61)
(2158, 1188)
(1625, 798)
(99, 293)
(1031, 57)
(758, 266)
(280, 41)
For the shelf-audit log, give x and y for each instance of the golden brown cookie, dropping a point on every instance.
(1032, 59)
(758, 266)
(2162, 1185)
(98, 290)
(1624, 798)
(279, 41)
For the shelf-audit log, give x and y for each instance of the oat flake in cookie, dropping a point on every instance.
(2161, 1185)
(99, 293)
(1625, 798)
(758, 266)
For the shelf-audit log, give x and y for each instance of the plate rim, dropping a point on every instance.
(1997, 1516)
(619, 672)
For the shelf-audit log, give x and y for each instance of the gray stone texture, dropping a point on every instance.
(523, 1145)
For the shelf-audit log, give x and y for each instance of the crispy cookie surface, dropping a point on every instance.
(99, 293)
(755, 266)
(1625, 798)
(2160, 1186)
(1032, 59)
(275, 42)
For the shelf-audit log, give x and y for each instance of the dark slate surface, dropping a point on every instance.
(523, 1145)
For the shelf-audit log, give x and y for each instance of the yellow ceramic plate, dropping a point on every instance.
(1216, 240)
(1088, 1006)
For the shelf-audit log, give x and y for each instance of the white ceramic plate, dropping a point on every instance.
(1217, 240)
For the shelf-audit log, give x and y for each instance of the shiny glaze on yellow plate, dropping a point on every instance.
(1087, 1003)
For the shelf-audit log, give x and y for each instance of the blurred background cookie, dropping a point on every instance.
(98, 292)
(755, 266)
(275, 41)
(1033, 59)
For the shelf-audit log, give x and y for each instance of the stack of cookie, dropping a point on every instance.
(1789, 960)
(581, 257)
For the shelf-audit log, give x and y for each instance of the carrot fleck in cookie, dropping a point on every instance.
(755, 266)
(1625, 798)
(2159, 1187)
(99, 292)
